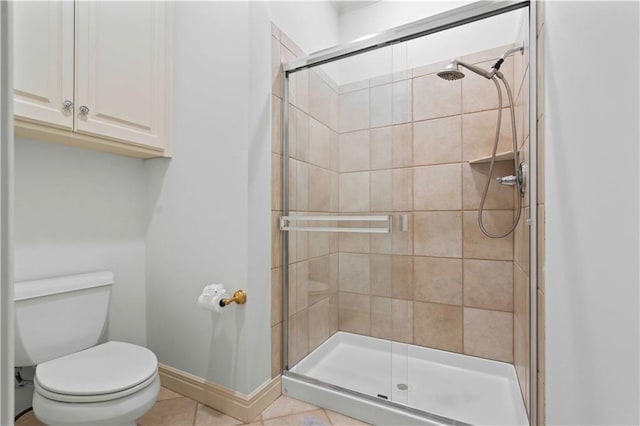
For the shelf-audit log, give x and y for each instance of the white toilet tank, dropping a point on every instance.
(59, 316)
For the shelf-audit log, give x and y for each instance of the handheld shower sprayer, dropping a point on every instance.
(452, 72)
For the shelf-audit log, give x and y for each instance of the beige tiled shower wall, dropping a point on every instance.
(541, 212)
(313, 177)
(521, 233)
(405, 144)
(521, 242)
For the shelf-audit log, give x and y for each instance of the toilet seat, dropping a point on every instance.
(122, 411)
(92, 398)
(102, 373)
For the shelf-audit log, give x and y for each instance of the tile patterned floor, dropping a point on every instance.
(173, 409)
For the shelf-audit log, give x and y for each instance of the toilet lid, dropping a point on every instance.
(104, 369)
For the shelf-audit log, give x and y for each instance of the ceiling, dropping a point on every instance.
(343, 6)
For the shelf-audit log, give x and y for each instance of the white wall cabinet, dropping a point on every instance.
(43, 58)
(95, 74)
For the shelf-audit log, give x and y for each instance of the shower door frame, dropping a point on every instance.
(440, 22)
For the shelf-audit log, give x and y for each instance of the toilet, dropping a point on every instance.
(59, 322)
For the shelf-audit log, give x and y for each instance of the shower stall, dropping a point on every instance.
(402, 225)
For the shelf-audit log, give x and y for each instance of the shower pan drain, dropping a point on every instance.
(402, 386)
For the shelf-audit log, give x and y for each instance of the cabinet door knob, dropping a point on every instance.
(67, 106)
(84, 110)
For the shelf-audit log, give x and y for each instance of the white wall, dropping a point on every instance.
(312, 25)
(80, 211)
(592, 277)
(200, 203)
(378, 17)
(257, 341)
(210, 204)
(383, 15)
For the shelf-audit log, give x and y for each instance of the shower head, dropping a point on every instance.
(451, 72)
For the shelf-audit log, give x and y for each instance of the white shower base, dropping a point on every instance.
(458, 387)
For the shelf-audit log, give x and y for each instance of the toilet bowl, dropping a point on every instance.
(77, 381)
(110, 384)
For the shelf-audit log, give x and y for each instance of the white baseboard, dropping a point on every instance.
(232, 403)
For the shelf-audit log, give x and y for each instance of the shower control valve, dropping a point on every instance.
(507, 180)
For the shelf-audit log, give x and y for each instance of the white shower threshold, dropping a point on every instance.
(453, 388)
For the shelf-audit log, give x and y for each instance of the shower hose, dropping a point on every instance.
(519, 177)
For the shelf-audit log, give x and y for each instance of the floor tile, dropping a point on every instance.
(29, 419)
(173, 409)
(167, 394)
(206, 416)
(311, 418)
(285, 406)
(338, 419)
(171, 412)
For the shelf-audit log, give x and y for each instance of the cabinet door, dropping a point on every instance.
(43, 61)
(121, 71)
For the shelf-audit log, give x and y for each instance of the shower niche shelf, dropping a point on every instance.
(501, 156)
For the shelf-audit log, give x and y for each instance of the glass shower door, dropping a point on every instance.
(431, 316)
(348, 224)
